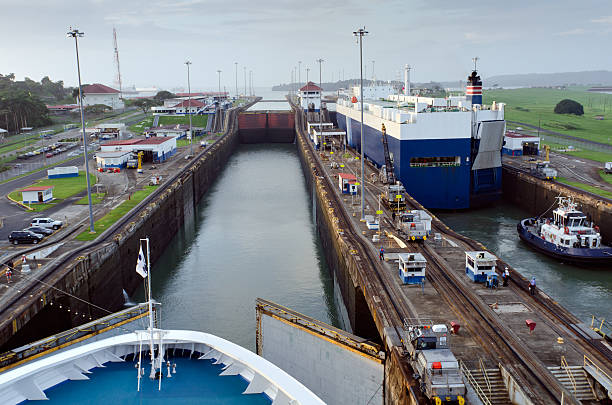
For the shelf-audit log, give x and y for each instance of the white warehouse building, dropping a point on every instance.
(156, 149)
(100, 94)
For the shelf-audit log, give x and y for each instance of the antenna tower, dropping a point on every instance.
(116, 50)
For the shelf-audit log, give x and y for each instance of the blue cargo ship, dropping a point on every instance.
(446, 151)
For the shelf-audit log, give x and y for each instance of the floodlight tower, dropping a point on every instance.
(118, 79)
(76, 34)
(360, 33)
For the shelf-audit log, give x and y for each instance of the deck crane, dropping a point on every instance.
(393, 197)
(387, 174)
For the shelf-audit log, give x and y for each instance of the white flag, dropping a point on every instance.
(140, 264)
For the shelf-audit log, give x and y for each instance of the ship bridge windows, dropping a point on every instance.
(436, 161)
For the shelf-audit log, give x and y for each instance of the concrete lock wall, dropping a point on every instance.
(336, 373)
(101, 276)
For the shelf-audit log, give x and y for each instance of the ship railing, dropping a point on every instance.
(58, 341)
(474, 384)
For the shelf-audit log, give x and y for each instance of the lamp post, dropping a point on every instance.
(360, 33)
(245, 89)
(75, 33)
(188, 63)
(320, 106)
(219, 72)
(236, 66)
(299, 73)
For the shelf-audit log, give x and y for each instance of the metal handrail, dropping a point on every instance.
(483, 397)
(65, 338)
(569, 372)
(602, 323)
(486, 376)
(588, 362)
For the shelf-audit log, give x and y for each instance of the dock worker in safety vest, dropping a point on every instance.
(506, 277)
(532, 286)
(382, 253)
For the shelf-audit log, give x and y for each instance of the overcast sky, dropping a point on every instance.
(437, 37)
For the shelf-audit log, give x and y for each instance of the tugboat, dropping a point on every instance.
(567, 236)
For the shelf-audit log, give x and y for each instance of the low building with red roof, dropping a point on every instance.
(37, 194)
(310, 96)
(347, 183)
(100, 94)
(189, 106)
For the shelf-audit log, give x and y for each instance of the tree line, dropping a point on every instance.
(22, 103)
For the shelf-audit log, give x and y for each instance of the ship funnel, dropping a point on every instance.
(473, 89)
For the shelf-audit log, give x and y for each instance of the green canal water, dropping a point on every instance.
(584, 291)
(251, 236)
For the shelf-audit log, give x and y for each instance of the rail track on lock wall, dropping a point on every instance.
(495, 338)
(382, 289)
(556, 317)
(34, 290)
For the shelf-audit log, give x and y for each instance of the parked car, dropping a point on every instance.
(40, 230)
(17, 237)
(49, 154)
(46, 223)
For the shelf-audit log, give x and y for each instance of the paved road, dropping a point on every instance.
(13, 216)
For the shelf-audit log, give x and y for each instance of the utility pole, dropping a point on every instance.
(188, 63)
(245, 88)
(360, 34)
(236, 66)
(373, 74)
(75, 33)
(320, 105)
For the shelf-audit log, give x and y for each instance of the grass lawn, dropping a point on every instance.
(96, 198)
(64, 188)
(38, 170)
(531, 105)
(185, 141)
(9, 147)
(196, 120)
(109, 219)
(605, 176)
(140, 127)
(586, 187)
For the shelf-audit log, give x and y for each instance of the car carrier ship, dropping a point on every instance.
(446, 151)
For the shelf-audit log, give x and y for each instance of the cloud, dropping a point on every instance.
(575, 31)
(603, 20)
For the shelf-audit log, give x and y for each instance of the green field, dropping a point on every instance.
(586, 187)
(606, 177)
(196, 120)
(96, 198)
(140, 127)
(63, 188)
(535, 104)
(106, 221)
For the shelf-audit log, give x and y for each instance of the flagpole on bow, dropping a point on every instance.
(140, 266)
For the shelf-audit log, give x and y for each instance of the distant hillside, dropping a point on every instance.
(590, 78)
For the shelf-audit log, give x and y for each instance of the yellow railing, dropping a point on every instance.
(468, 375)
(569, 372)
